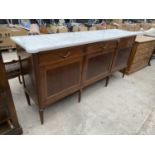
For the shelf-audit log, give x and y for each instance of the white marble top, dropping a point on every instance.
(39, 43)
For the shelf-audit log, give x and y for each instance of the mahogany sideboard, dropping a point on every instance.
(56, 73)
(141, 53)
(8, 118)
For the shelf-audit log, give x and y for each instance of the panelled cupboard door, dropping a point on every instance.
(121, 59)
(123, 53)
(97, 66)
(60, 79)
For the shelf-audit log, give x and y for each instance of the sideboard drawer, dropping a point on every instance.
(101, 46)
(60, 55)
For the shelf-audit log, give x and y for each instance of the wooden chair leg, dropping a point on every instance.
(28, 99)
(107, 81)
(19, 78)
(79, 96)
(41, 114)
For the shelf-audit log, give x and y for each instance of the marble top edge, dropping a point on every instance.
(46, 42)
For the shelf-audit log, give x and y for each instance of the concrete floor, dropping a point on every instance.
(126, 106)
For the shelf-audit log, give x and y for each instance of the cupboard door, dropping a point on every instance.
(61, 79)
(122, 53)
(121, 59)
(98, 66)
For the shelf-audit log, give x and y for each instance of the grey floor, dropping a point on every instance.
(126, 106)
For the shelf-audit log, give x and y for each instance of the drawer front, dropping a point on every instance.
(101, 46)
(60, 55)
(126, 42)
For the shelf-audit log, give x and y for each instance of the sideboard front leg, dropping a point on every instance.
(79, 95)
(41, 114)
(28, 99)
(124, 71)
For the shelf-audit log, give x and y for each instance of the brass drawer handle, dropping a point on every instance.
(65, 56)
(104, 47)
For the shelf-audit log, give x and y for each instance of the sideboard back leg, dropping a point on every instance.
(41, 114)
(107, 81)
(149, 63)
(80, 94)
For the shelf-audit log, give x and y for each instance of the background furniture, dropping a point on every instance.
(141, 53)
(100, 27)
(8, 117)
(13, 69)
(151, 33)
(52, 29)
(34, 30)
(6, 33)
(75, 28)
(62, 29)
(83, 28)
(92, 28)
(43, 29)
